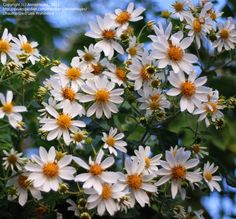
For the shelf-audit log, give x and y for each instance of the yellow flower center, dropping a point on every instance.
(178, 6)
(178, 172)
(12, 159)
(68, 93)
(175, 53)
(147, 162)
(146, 72)
(4, 46)
(188, 88)
(102, 96)
(208, 176)
(97, 69)
(73, 73)
(108, 34)
(50, 170)
(78, 137)
(7, 108)
(95, 169)
(120, 73)
(64, 121)
(134, 181)
(197, 27)
(59, 155)
(213, 106)
(213, 15)
(110, 141)
(88, 57)
(23, 181)
(123, 17)
(154, 101)
(133, 51)
(196, 148)
(224, 34)
(27, 48)
(106, 191)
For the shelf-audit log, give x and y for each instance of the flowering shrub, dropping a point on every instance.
(101, 122)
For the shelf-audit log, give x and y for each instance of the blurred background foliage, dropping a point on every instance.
(61, 34)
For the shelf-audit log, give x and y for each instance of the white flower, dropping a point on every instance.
(176, 168)
(180, 10)
(105, 30)
(22, 185)
(138, 183)
(73, 207)
(101, 91)
(10, 110)
(28, 48)
(226, 36)
(46, 172)
(161, 32)
(122, 18)
(199, 151)
(191, 90)
(106, 201)
(172, 52)
(144, 155)
(61, 124)
(7, 47)
(51, 102)
(96, 174)
(135, 49)
(210, 109)
(141, 70)
(13, 160)
(78, 137)
(113, 141)
(152, 99)
(212, 181)
(126, 202)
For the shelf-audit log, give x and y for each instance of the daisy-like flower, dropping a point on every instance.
(61, 124)
(135, 49)
(210, 109)
(101, 91)
(122, 18)
(105, 30)
(138, 183)
(51, 102)
(152, 99)
(144, 155)
(46, 172)
(115, 73)
(10, 110)
(97, 68)
(161, 32)
(13, 160)
(106, 201)
(28, 48)
(142, 70)
(113, 141)
(126, 202)
(97, 174)
(199, 151)
(180, 9)
(7, 47)
(212, 181)
(191, 90)
(22, 185)
(176, 168)
(75, 74)
(73, 207)
(226, 36)
(78, 137)
(172, 52)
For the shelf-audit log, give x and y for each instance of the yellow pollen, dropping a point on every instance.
(106, 191)
(133, 51)
(88, 57)
(95, 169)
(108, 34)
(97, 69)
(178, 172)
(146, 72)
(102, 96)
(175, 53)
(224, 34)
(7, 108)
(188, 88)
(154, 101)
(110, 141)
(123, 17)
(196, 148)
(50, 170)
(213, 15)
(134, 181)
(64, 121)
(68, 93)
(73, 73)
(197, 27)
(27, 48)
(23, 181)
(178, 6)
(12, 159)
(147, 162)
(120, 73)
(4, 46)
(213, 106)
(208, 176)
(78, 137)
